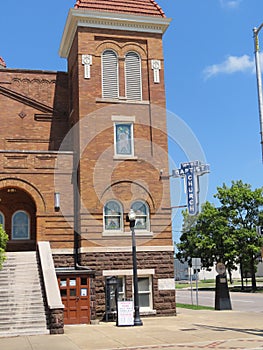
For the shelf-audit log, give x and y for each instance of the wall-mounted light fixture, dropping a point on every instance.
(57, 201)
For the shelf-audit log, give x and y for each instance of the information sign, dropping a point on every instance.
(125, 313)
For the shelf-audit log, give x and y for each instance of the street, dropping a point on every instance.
(240, 301)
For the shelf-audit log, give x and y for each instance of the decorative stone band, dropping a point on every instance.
(123, 249)
(128, 272)
(108, 20)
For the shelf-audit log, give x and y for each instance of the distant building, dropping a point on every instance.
(183, 272)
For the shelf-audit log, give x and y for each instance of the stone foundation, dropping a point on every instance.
(161, 262)
(56, 321)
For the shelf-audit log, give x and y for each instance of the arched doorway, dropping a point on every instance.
(18, 216)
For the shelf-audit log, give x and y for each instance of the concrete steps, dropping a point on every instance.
(22, 310)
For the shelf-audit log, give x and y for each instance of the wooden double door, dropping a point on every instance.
(75, 295)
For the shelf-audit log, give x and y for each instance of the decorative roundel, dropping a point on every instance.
(86, 59)
(156, 65)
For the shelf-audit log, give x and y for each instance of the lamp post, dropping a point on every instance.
(259, 83)
(137, 320)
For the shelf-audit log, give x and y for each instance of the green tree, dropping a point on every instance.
(3, 242)
(243, 207)
(227, 233)
(205, 236)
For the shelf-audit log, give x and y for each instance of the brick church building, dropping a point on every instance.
(80, 148)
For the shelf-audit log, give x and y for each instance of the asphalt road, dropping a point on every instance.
(240, 301)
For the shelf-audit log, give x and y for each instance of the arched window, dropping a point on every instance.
(133, 76)
(20, 225)
(113, 215)
(141, 210)
(110, 76)
(2, 219)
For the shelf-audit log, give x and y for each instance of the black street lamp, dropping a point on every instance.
(137, 320)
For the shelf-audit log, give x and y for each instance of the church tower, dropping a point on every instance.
(118, 131)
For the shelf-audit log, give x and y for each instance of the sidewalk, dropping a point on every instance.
(190, 329)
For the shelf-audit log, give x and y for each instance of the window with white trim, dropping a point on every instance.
(141, 210)
(145, 293)
(20, 225)
(121, 288)
(2, 219)
(110, 75)
(113, 216)
(123, 139)
(133, 76)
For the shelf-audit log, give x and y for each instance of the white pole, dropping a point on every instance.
(259, 84)
(191, 283)
(196, 283)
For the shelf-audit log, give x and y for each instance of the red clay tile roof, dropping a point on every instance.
(2, 62)
(134, 7)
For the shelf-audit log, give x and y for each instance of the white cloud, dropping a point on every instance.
(232, 64)
(231, 4)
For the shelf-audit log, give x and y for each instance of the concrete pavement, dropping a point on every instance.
(190, 329)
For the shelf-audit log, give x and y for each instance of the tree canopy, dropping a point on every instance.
(226, 233)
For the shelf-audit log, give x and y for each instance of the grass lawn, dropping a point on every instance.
(210, 284)
(194, 307)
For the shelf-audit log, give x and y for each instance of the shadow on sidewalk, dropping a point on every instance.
(257, 332)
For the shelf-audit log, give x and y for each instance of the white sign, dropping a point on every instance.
(166, 284)
(125, 313)
(196, 263)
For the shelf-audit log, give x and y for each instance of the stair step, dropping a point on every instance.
(23, 321)
(22, 308)
(14, 312)
(24, 332)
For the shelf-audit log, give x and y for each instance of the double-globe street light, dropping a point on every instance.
(259, 83)
(132, 220)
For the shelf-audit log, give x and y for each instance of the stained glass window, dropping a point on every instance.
(124, 139)
(142, 215)
(20, 225)
(113, 216)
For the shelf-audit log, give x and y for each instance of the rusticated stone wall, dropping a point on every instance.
(56, 321)
(161, 262)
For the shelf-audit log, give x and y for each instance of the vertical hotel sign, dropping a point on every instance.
(190, 172)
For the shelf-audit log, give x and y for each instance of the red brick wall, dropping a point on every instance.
(100, 173)
(34, 121)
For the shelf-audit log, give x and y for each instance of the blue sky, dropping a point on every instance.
(211, 84)
(209, 70)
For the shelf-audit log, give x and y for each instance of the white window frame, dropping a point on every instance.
(147, 216)
(144, 273)
(106, 89)
(116, 119)
(28, 224)
(123, 155)
(149, 292)
(130, 71)
(123, 292)
(109, 231)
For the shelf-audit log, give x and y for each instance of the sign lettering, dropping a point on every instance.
(190, 172)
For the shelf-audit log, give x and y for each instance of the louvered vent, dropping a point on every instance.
(133, 76)
(110, 81)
